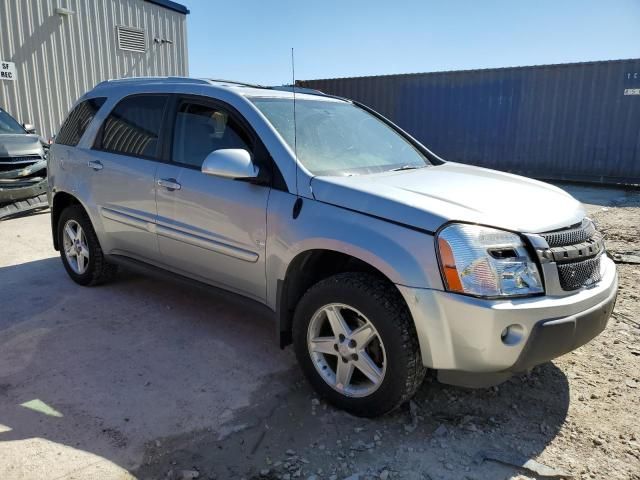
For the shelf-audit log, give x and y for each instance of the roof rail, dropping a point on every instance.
(308, 91)
(118, 81)
(233, 82)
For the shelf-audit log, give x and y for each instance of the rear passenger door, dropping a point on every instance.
(211, 228)
(123, 165)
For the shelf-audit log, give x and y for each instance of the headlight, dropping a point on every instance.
(486, 262)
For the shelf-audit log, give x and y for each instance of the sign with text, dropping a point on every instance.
(7, 70)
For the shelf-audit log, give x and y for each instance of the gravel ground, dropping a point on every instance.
(155, 380)
(578, 415)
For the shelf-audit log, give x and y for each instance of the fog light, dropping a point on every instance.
(512, 335)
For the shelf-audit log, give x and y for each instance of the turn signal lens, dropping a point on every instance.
(449, 268)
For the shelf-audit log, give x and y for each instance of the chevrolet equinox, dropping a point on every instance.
(378, 259)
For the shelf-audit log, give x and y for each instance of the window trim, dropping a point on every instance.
(432, 157)
(97, 142)
(206, 102)
(259, 151)
(93, 118)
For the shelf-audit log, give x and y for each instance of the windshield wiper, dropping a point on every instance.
(405, 167)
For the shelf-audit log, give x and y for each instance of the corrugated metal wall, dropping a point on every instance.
(58, 58)
(569, 121)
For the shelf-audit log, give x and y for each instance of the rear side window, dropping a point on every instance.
(201, 129)
(133, 126)
(78, 120)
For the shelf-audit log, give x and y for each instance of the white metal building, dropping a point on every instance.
(52, 51)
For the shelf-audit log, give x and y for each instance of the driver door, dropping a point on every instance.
(210, 228)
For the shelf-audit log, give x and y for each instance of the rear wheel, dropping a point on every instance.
(80, 250)
(356, 343)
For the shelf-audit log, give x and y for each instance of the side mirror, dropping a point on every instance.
(29, 128)
(234, 163)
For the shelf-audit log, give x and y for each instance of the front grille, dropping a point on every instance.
(575, 234)
(22, 159)
(577, 251)
(579, 274)
(16, 163)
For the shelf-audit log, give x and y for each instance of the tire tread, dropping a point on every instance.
(383, 293)
(101, 270)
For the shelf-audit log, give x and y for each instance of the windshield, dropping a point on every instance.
(339, 138)
(8, 124)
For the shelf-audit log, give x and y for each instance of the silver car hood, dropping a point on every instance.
(428, 197)
(18, 144)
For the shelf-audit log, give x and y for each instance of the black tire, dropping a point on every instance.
(384, 307)
(99, 270)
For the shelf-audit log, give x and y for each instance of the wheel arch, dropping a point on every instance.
(306, 269)
(61, 200)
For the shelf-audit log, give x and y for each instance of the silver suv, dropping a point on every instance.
(378, 259)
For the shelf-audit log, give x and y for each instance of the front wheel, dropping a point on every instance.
(356, 343)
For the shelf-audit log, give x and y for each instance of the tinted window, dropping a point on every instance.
(78, 120)
(201, 129)
(8, 124)
(133, 126)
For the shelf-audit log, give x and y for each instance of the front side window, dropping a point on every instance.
(339, 138)
(8, 124)
(78, 120)
(133, 126)
(201, 129)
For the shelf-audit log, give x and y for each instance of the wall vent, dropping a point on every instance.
(131, 39)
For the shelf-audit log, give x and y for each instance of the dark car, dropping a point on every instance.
(23, 167)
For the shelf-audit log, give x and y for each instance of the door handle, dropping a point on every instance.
(95, 164)
(170, 184)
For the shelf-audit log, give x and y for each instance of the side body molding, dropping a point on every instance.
(206, 243)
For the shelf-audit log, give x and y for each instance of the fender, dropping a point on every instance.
(56, 209)
(403, 255)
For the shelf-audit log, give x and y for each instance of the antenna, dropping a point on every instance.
(295, 127)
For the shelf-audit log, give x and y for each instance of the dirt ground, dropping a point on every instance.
(156, 380)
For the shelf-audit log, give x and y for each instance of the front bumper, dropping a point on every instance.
(13, 191)
(24, 182)
(464, 334)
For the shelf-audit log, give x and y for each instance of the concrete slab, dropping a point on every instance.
(149, 377)
(123, 363)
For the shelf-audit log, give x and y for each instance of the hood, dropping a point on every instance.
(18, 144)
(429, 197)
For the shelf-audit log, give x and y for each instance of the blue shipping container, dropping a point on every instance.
(578, 121)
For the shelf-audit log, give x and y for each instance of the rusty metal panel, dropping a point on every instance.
(58, 56)
(577, 121)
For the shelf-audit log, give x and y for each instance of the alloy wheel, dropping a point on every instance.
(346, 350)
(75, 247)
